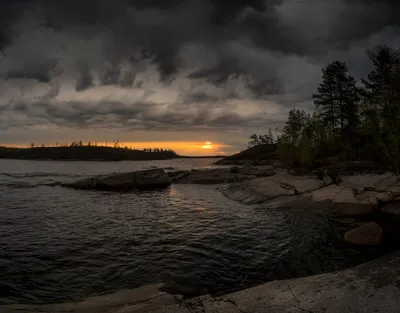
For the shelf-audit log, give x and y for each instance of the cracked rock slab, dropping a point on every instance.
(372, 287)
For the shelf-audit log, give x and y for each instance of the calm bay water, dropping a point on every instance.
(58, 244)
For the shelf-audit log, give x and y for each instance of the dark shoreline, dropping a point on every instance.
(91, 153)
(122, 160)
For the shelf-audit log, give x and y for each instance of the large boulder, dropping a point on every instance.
(139, 179)
(369, 234)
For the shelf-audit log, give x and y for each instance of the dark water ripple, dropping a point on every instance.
(58, 244)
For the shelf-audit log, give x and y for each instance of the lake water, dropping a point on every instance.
(59, 244)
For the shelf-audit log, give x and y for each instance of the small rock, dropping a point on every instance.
(327, 180)
(297, 172)
(333, 173)
(369, 188)
(395, 190)
(249, 170)
(277, 164)
(383, 196)
(392, 208)
(367, 235)
(358, 191)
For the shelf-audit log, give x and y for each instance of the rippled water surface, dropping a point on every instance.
(58, 244)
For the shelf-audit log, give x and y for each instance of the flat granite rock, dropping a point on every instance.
(373, 287)
(258, 190)
(285, 191)
(263, 189)
(371, 181)
(208, 176)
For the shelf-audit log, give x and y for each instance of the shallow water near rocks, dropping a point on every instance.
(59, 244)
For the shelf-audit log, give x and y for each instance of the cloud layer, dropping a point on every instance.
(176, 65)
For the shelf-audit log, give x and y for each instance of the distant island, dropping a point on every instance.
(87, 152)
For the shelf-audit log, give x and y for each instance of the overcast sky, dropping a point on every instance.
(171, 70)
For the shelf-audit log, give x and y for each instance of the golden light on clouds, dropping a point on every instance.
(188, 148)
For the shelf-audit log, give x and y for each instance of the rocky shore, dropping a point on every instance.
(371, 201)
(376, 195)
(360, 194)
(368, 288)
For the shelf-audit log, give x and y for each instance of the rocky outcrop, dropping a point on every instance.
(257, 155)
(346, 199)
(372, 287)
(369, 234)
(220, 175)
(209, 176)
(258, 171)
(139, 179)
(262, 189)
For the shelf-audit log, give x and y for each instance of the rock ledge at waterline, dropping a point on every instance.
(368, 288)
(354, 195)
(138, 179)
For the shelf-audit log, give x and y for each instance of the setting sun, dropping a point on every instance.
(207, 145)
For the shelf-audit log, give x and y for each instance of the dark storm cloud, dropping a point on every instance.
(137, 115)
(199, 97)
(219, 73)
(255, 49)
(163, 28)
(40, 70)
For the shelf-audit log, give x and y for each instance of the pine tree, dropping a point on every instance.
(291, 136)
(337, 99)
(294, 126)
(382, 101)
(254, 141)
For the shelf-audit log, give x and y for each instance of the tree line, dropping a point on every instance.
(114, 144)
(352, 120)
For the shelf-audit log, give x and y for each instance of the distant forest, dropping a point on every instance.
(352, 120)
(78, 150)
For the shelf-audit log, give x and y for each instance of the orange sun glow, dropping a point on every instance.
(207, 145)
